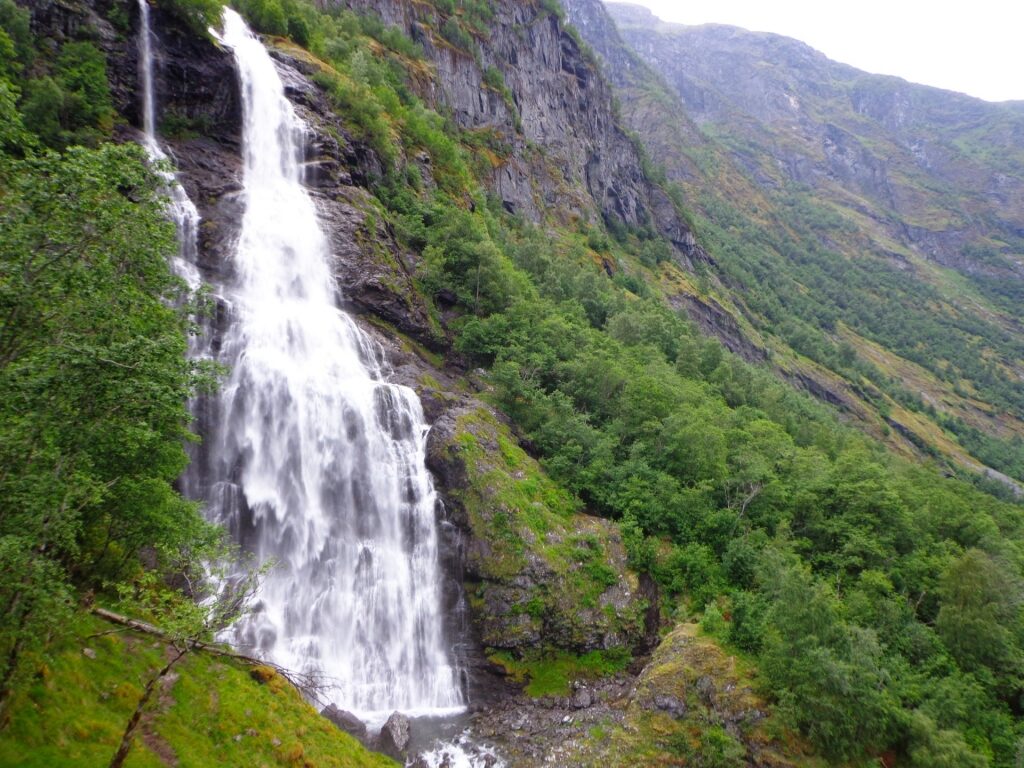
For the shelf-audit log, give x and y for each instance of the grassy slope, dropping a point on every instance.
(213, 714)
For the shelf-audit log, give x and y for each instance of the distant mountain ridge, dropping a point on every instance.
(874, 135)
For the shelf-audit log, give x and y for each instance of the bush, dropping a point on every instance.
(73, 106)
(453, 32)
(199, 15)
(749, 621)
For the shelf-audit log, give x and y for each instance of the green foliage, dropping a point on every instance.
(931, 747)
(18, 48)
(199, 15)
(749, 623)
(65, 101)
(550, 673)
(460, 255)
(73, 106)
(830, 675)
(44, 101)
(93, 383)
(713, 747)
(553, 7)
(13, 136)
(268, 16)
(453, 32)
(800, 290)
(979, 620)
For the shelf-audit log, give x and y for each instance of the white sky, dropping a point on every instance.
(972, 46)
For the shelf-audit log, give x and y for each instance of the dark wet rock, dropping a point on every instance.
(394, 736)
(346, 721)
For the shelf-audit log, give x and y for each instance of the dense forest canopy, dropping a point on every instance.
(880, 599)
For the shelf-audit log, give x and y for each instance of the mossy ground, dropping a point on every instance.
(215, 713)
(550, 674)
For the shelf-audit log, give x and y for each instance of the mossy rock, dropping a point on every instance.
(541, 574)
(696, 704)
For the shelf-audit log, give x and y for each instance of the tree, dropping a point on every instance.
(93, 385)
(830, 676)
(981, 602)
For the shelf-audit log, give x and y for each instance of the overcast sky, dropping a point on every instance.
(972, 46)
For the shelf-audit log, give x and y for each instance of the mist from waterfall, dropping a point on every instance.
(316, 460)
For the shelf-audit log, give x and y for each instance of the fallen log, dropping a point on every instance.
(307, 685)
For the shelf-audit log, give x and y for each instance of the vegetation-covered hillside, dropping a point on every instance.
(878, 599)
(867, 224)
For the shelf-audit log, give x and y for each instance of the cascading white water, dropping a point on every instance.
(180, 207)
(318, 462)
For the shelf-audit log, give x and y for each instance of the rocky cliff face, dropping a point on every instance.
(569, 156)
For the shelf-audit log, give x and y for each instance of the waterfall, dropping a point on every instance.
(180, 207)
(317, 461)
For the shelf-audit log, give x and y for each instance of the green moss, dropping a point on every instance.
(551, 673)
(215, 713)
(410, 345)
(509, 499)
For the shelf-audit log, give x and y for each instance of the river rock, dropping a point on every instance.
(346, 721)
(394, 736)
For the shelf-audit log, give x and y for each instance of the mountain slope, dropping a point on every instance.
(866, 224)
(611, 475)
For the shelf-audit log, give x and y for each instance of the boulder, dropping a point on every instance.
(670, 705)
(346, 721)
(394, 736)
(582, 699)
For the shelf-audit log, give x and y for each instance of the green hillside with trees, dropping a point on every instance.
(879, 597)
